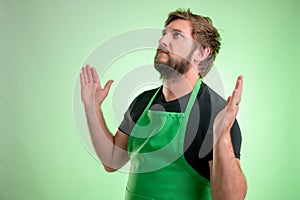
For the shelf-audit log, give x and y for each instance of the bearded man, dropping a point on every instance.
(182, 138)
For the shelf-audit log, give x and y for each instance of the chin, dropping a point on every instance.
(162, 58)
(162, 61)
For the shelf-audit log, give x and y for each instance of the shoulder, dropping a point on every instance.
(135, 110)
(144, 96)
(217, 103)
(147, 93)
(208, 97)
(140, 102)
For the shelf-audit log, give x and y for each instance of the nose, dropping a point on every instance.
(164, 40)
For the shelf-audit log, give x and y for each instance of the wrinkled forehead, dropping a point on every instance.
(182, 26)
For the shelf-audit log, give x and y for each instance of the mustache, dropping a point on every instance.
(162, 49)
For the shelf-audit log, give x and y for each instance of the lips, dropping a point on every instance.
(162, 51)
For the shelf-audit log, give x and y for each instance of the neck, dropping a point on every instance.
(176, 88)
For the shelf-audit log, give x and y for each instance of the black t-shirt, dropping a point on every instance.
(198, 140)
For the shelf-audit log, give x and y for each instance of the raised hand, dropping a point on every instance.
(227, 178)
(226, 117)
(92, 94)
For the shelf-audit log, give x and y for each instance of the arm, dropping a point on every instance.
(110, 149)
(227, 179)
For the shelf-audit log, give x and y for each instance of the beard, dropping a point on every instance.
(174, 67)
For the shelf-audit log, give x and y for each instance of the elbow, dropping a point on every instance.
(109, 169)
(235, 191)
(244, 189)
(241, 191)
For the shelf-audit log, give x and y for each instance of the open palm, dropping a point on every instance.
(226, 117)
(91, 91)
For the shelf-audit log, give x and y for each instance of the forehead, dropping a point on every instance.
(181, 25)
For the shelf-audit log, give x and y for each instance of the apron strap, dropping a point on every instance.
(191, 99)
(193, 96)
(152, 99)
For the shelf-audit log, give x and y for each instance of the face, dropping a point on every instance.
(175, 50)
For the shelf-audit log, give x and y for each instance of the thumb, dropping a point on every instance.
(107, 86)
(228, 100)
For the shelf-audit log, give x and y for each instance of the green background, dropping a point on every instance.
(44, 43)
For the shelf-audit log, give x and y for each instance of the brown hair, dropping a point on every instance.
(203, 32)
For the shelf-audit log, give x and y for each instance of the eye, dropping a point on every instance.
(177, 35)
(164, 32)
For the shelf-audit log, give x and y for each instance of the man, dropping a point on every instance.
(175, 151)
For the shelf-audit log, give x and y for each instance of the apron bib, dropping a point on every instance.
(158, 168)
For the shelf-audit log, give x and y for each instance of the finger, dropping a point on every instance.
(95, 75)
(235, 98)
(82, 82)
(89, 73)
(239, 85)
(107, 86)
(86, 79)
(237, 93)
(239, 82)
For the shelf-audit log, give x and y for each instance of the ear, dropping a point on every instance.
(201, 54)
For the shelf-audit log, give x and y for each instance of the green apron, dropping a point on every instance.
(158, 168)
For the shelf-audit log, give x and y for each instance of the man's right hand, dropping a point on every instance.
(92, 94)
(110, 149)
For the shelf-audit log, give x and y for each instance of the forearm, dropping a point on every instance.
(110, 149)
(101, 138)
(110, 154)
(227, 179)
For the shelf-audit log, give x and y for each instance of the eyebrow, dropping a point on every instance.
(174, 30)
(177, 30)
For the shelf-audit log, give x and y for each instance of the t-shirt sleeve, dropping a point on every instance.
(134, 111)
(236, 139)
(218, 103)
(128, 122)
